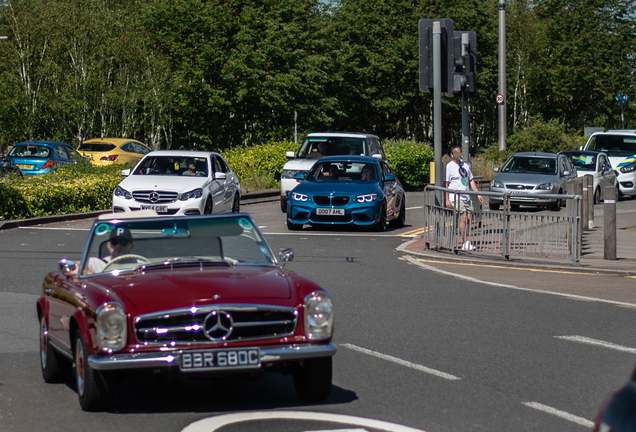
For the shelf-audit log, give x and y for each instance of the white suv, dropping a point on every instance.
(319, 144)
(620, 146)
(179, 182)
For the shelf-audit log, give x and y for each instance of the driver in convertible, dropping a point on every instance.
(119, 243)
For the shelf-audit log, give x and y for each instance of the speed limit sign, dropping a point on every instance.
(500, 99)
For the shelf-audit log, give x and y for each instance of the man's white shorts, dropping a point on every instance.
(464, 205)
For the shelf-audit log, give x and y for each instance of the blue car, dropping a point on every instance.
(41, 157)
(347, 190)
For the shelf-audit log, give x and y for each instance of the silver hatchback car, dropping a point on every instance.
(532, 174)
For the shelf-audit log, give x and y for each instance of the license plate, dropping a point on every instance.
(157, 208)
(209, 360)
(23, 166)
(330, 212)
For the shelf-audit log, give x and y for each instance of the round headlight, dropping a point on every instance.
(318, 316)
(111, 327)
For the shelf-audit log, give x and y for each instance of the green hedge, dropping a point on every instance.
(83, 188)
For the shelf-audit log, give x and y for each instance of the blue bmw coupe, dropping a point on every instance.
(347, 190)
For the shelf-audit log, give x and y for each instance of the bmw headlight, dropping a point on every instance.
(197, 193)
(299, 197)
(289, 174)
(318, 316)
(111, 327)
(121, 192)
(545, 186)
(497, 184)
(628, 168)
(366, 198)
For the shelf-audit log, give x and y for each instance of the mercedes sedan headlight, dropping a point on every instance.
(318, 316)
(196, 193)
(299, 197)
(366, 198)
(497, 184)
(628, 168)
(121, 192)
(545, 186)
(111, 327)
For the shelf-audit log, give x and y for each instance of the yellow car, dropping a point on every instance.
(108, 151)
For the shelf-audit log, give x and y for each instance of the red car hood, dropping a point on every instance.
(169, 289)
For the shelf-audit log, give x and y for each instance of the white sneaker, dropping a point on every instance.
(468, 246)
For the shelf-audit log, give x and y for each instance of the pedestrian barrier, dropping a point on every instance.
(505, 233)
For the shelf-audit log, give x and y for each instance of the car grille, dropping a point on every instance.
(161, 197)
(519, 187)
(331, 201)
(323, 218)
(187, 326)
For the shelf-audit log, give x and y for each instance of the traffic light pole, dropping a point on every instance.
(437, 110)
(502, 75)
(465, 123)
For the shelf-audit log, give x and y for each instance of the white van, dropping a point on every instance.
(319, 144)
(620, 147)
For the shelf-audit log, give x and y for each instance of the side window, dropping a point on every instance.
(562, 165)
(385, 168)
(127, 147)
(61, 152)
(142, 149)
(217, 165)
(224, 166)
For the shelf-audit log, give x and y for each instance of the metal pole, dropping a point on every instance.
(437, 110)
(609, 223)
(295, 127)
(502, 75)
(465, 121)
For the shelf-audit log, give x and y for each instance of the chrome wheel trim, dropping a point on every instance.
(44, 339)
(79, 366)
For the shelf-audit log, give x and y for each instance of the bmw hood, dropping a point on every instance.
(326, 187)
(526, 179)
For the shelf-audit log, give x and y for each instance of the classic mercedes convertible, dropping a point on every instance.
(200, 295)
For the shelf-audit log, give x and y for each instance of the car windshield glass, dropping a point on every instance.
(614, 145)
(162, 243)
(583, 162)
(96, 147)
(319, 147)
(173, 166)
(343, 171)
(30, 151)
(530, 165)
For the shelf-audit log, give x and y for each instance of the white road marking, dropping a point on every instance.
(54, 228)
(338, 430)
(590, 341)
(538, 291)
(562, 414)
(402, 362)
(212, 424)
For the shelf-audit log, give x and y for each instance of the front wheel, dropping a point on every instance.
(283, 204)
(381, 224)
(55, 368)
(312, 379)
(209, 207)
(597, 196)
(92, 387)
(236, 206)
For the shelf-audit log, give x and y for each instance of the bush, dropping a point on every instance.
(410, 162)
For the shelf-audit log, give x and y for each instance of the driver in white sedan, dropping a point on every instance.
(119, 243)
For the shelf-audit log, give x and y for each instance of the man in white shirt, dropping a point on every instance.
(458, 176)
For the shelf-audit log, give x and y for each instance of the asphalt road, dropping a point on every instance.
(423, 345)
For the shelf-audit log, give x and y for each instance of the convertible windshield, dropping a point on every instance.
(343, 171)
(173, 166)
(158, 243)
(530, 165)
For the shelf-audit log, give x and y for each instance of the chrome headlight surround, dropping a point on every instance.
(196, 193)
(545, 186)
(497, 184)
(299, 197)
(366, 198)
(123, 193)
(111, 326)
(628, 168)
(318, 316)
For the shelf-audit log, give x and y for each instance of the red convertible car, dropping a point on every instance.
(200, 295)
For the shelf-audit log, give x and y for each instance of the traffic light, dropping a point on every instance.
(465, 63)
(425, 28)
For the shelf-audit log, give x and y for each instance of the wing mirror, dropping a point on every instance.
(496, 169)
(285, 255)
(67, 266)
(220, 176)
(389, 177)
(299, 176)
(290, 155)
(125, 173)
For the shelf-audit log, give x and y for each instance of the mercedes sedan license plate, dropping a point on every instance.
(330, 212)
(209, 360)
(157, 208)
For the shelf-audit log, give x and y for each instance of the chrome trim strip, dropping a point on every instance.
(173, 329)
(209, 308)
(159, 360)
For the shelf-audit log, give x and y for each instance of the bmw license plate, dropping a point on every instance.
(157, 208)
(209, 360)
(330, 212)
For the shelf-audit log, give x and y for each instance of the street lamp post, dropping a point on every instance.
(621, 99)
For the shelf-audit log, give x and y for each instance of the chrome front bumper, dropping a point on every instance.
(173, 359)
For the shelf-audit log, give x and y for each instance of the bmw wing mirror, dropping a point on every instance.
(389, 177)
(299, 176)
(285, 255)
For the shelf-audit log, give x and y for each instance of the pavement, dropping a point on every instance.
(592, 254)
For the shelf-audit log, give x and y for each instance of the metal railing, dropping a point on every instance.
(505, 233)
